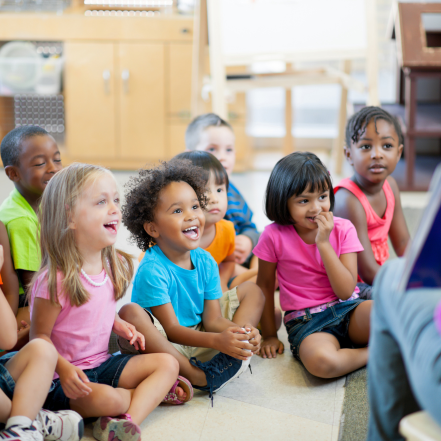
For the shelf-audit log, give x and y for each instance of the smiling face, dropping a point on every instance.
(219, 141)
(39, 161)
(97, 216)
(306, 206)
(179, 221)
(217, 201)
(375, 155)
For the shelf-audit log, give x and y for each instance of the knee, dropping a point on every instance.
(167, 362)
(110, 402)
(39, 349)
(251, 290)
(323, 365)
(132, 312)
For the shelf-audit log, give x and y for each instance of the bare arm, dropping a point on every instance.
(226, 271)
(342, 272)
(398, 233)
(8, 334)
(349, 207)
(9, 276)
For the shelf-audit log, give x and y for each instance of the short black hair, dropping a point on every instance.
(12, 143)
(199, 124)
(143, 194)
(209, 163)
(358, 122)
(291, 176)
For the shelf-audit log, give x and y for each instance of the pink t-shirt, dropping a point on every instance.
(81, 333)
(303, 281)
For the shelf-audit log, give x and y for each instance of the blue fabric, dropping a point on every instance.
(107, 373)
(7, 383)
(240, 214)
(333, 320)
(159, 281)
(404, 369)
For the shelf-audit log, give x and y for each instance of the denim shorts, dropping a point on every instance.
(7, 383)
(107, 373)
(334, 320)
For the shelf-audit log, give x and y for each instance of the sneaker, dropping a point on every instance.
(120, 428)
(65, 425)
(219, 371)
(21, 433)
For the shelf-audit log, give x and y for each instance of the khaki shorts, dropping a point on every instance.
(229, 302)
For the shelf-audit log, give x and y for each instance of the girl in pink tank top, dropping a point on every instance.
(370, 199)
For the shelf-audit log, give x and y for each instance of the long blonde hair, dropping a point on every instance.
(57, 240)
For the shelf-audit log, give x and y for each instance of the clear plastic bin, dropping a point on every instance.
(30, 75)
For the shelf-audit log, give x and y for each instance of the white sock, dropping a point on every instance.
(18, 421)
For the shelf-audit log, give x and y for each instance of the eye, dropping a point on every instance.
(365, 147)
(303, 201)
(102, 201)
(117, 201)
(177, 211)
(39, 165)
(323, 197)
(211, 149)
(219, 190)
(195, 207)
(58, 161)
(388, 146)
(229, 149)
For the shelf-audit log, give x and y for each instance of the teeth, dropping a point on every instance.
(191, 228)
(112, 223)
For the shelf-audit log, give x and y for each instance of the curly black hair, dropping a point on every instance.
(358, 122)
(143, 194)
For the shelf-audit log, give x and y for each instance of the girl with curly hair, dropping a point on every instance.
(177, 290)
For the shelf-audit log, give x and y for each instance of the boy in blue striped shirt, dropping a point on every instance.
(212, 134)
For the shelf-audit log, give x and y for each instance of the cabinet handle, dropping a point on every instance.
(125, 75)
(106, 78)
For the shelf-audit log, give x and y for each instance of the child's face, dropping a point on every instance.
(375, 155)
(219, 141)
(39, 161)
(306, 206)
(217, 201)
(97, 215)
(179, 220)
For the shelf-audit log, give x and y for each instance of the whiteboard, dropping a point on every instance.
(291, 30)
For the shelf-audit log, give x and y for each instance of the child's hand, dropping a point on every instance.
(231, 342)
(129, 332)
(271, 347)
(325, 223)
(242, 249)
(1, 257)
(73, 381)
(254, 338)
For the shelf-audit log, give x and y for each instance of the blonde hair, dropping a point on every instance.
(57, 240)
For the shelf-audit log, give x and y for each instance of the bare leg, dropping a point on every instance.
(251, 301)
(32, 370)
(359, 324)
(156, 343)
(104, 400)
(247, 276)
(5, 407)
(151, 376)
(322, 356)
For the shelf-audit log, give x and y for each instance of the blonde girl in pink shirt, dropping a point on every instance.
(315, 257)
(74, 307)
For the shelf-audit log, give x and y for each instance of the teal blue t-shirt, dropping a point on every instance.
(159, 281)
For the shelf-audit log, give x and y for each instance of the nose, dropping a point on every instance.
(52, 169)
(377, 152)
(213, 199)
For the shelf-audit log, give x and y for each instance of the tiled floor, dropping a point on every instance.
(280, 400)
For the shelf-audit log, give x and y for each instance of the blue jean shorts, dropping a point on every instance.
(334, 320)
(7, 383)
(107, 373)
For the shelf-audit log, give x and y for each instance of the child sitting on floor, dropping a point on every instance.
(179, 306)
(219, 235)
(370, 199)
(31, 158)
(74, 307)
(25, 379)
(212, 134)
(315, 257)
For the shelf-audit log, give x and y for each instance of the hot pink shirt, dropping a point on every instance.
(81, 333)
(303, 281)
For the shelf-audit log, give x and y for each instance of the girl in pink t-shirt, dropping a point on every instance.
(315, 257)
(74, 307)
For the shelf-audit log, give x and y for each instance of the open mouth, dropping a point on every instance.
(111, 226)
(311, 219)
(192, 232)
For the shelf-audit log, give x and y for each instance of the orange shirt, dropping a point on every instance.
(1, 282)
(223, 242)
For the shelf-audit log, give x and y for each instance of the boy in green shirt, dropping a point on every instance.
(30, 157)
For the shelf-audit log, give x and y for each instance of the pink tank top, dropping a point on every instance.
(378, 228)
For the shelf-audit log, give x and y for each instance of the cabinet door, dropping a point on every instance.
(90, 101)
(141, 92)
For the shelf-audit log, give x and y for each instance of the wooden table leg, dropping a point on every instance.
(410, 116)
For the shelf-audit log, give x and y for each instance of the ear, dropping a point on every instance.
(71, 223)
(348, 156)
(151, 229)
(13, 173)
(400, 152)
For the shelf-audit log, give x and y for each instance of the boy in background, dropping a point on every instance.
(30, 157)
(212, 134)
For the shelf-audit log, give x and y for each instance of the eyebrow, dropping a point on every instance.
(383, 137)
(308, 195)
